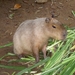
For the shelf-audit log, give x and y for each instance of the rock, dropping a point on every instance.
(41, 1)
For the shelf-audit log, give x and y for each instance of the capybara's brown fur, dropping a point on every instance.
(33, 35)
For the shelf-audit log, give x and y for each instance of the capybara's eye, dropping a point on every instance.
(53, 26)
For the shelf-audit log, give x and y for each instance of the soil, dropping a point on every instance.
(10, 20)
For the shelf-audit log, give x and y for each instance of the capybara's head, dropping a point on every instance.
(56, 29)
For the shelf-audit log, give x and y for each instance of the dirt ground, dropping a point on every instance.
(10, 20)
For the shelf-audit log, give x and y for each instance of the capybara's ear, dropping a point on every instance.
(52, 16)
(47, 20)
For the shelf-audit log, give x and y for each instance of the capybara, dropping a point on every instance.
(32, 36)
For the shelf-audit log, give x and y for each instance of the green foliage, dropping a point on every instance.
(73, 12)
(9, 44)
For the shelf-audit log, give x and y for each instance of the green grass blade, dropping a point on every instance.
(12, 67)
(9, 44)
(73, 12)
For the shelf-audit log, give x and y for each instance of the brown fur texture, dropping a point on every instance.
(33, 35)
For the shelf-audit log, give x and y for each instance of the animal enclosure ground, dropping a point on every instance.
(10, 20)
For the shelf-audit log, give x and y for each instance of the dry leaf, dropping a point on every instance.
(17, 6)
